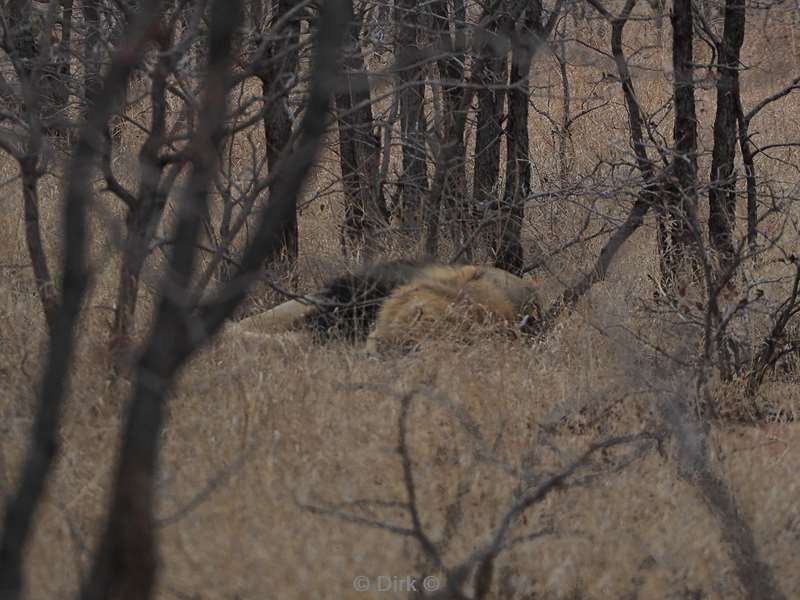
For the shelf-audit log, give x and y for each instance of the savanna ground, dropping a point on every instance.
(274, 448)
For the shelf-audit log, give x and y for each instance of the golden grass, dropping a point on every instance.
(285, 423)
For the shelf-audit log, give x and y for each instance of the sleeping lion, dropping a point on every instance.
(398, 304)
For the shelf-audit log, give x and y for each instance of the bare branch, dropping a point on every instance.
(44, 449)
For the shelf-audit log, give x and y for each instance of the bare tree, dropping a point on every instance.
(216, 190)
(24, 136)
(359, 148)
(145, 206)
(125, 565)
(648, 191)
(448, 185)
(277, 71)
(677, 226)
(492, 78)
(748, 155)
(22, 506)
(528, 34)
(517, 29)
(722, 191)
(413, 179)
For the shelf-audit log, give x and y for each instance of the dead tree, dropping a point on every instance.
(748, 156)
(30, 54)
(507, 243)
(448, 187)
(676, 226)
(22, 505)
(492, 79)
(722, 179)
(125, 564)
(413, 178)
(359, 151)
(144, 207)
(648, 192)
(277, 70)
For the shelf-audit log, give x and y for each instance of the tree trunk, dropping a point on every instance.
(492, 79)
(413, 181)
(277, 76)
(20, 43)
(144, 215)
(126, 561)
(508, 244)
(750, 177)
(359, 147)
(21, 506)
(45, 287)
(722, 193)
(449, 181)
(141, 224)
(674, 226)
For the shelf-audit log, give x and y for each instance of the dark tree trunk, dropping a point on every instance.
(21, 507)
(126, 561)
(722, 193)
(277, 76)
(65, 47)
(449, 180)
(144, 214)
(413, 179)
(133, 258)
(508, 244)
(359, 147)
(750, 176)
(20, 43)
(675, 229)
(643, 162)
(492, 79)
(45, 287)
(125, 565)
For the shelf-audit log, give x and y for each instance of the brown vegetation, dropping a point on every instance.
(640, 442)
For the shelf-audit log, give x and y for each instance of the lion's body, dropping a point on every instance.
(352, 301)
(408, 302)
(451, 302)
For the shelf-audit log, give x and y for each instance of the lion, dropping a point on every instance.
(401, 303)
(454, 303)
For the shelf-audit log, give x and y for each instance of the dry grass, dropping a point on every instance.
(319, 425)
(277, 424)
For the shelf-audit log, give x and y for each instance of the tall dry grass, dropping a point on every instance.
(258, 430)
